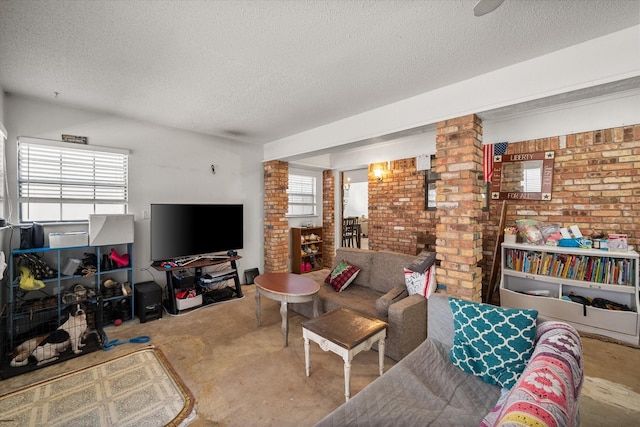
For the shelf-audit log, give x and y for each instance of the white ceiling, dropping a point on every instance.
(258, 71)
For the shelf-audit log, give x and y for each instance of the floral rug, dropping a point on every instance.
(138, 389)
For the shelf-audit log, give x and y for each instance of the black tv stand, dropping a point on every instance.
(209, 297)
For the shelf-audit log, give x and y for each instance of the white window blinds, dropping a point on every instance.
(62, 181)
(302, 195)
(532, 177)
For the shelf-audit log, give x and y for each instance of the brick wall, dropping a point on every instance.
(397, 219)
(458, 195)
(276, 225)
(596, 185)
(328, 218)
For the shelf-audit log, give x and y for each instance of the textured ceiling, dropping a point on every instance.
(257, 71)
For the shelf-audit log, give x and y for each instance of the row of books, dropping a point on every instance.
(606, 270)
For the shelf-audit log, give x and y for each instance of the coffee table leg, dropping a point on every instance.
(307, 361)
(285, 323)
(381, 355)
(258, 311)
(347, 378)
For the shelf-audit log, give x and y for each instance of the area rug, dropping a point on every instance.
(618, 395)
(138, 389)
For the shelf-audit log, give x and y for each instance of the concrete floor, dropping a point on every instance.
(240, 375)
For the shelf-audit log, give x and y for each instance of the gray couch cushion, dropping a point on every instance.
(394, 295)
(356, 298)
(387, 270)
(423, 389)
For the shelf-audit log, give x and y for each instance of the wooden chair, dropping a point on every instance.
(350, 232)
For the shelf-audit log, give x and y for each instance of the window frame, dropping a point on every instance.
(57, 175)
(311, 182)
(431, 177)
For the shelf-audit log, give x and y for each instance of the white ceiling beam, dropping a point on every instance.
(599, 61)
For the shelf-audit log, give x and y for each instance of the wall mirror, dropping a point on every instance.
(523, 176)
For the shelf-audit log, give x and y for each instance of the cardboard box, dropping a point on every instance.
(67, 240)
(183, 304)
(617, 242)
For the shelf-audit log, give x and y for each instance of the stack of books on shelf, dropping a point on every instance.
(598, 269)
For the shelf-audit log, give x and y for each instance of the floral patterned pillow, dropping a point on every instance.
(547, 392)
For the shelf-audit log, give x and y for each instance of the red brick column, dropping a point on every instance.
(328, 218)
(276, 225)
(459, 206)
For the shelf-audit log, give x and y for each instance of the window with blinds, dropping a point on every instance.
(60, 181)
(532, 177)
(302, 195)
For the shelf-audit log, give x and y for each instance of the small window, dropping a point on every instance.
(430, 178)
(302, 195)
(486, 196)
(60, 181)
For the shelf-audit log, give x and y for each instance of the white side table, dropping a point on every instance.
(345, 333)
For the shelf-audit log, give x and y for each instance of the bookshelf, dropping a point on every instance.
(306, 249)
(543, 278)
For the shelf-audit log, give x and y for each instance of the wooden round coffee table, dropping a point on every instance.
(286, 288)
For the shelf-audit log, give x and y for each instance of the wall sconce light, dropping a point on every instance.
(381, 170)
(347, 185)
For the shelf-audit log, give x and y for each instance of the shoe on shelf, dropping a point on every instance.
(109, 283)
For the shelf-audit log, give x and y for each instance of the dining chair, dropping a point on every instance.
(350, 232)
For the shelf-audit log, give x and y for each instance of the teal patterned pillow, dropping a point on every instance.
(490, 342)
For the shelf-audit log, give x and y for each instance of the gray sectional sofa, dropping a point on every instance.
(426, 389)
(378, 291)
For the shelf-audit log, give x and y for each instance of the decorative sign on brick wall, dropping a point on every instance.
(523, 176)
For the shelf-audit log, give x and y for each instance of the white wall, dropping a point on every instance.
(1, 105)
(357, 200)
(166, 165)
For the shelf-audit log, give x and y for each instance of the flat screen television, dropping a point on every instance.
(184, 230)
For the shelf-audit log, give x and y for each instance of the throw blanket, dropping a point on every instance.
(546, 393)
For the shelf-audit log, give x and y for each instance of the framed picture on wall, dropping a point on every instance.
(523, 176)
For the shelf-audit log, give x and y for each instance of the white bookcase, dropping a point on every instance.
(538, 277)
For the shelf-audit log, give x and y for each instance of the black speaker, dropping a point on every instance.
(31, 236)
(26, 231)
(148, 301)
(250, 275)
(37, 235)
